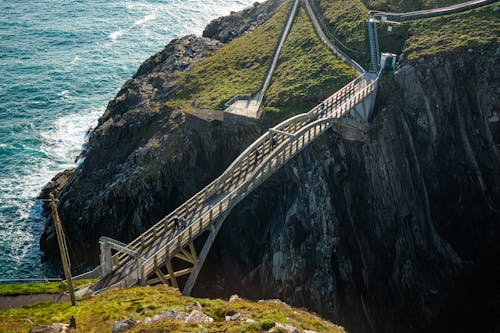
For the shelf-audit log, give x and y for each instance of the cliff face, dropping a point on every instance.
(397, 233)
(143, 159)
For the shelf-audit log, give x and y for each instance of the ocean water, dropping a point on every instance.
(60, 63)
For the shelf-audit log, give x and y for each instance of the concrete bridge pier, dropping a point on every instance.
(364, 109)
(105, 258)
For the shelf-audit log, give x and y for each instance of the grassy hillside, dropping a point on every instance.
(98, 313)
(479, 27)
(308, 71)
(408, 5)
(38, 288)
(237, 68)
(347, 20)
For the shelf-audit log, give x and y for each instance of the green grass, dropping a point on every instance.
(347, 20)
(408, 5)
(475, 28)
(218, 78)
(38, 288)
(308, 71)
(97, 314)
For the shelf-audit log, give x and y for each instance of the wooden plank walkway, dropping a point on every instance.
(164, 241)
(149, 257)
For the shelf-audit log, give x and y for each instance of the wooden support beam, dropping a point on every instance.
(185, 258)
(171, 274)
(162, 277)
(181, 272)
(193, 252)
(186, 253)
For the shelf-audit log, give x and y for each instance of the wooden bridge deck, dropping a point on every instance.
(161, 243)
(151, 253)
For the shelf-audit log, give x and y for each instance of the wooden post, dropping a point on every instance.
(171, 274)
(63, 250)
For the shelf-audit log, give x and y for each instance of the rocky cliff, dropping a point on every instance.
(393, 234)
(144, 159)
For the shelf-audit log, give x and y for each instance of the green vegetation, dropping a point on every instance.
(479, 27)
(38, 288)
(408, 5)
(237, 68)
(307, 72)
(98, 313)
(347, 20)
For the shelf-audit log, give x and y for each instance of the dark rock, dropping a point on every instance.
(396, 234)
(234, 317)
(54, 186)
(132, 145)
(225, 29)
(192, 307)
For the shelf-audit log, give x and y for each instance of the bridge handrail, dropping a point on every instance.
(198, 225)
(93, 274)
(233, 196)
(342, 109)
(160, 228)
(426, 13)
(277, 50)
(238, 97)
(163, 226)
(274, 59)
(280, 126)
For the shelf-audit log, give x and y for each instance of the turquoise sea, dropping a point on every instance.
(60, 63)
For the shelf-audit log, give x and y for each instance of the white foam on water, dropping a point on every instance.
(62, 140)
(147, 18)
(75, 60)
(117, 34)
(60, 145)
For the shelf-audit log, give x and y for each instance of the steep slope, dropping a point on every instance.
(147, 156)
(346, 19)
(397, 233)
(97, 314)
(408, 5)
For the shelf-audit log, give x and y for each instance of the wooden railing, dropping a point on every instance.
(259, 96)
(427, 13)
(268, 145)
(255, 164)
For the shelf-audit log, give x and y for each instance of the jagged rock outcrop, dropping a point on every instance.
(143, 159)
(397, 233)
(227, 28)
